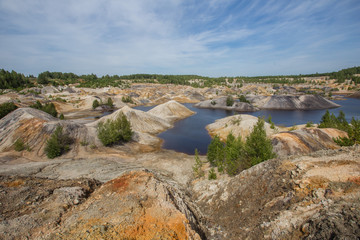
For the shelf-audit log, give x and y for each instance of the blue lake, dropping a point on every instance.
(190, 133)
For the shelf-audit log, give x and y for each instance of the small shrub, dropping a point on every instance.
(293, 128)
(242, 98)
(236, 121)
(212, 174)
(84, 143)
(58, 143)
(93, 146)
(309, 124)
(48, 108)
(229, 101)
(112, 132)
(110, 102)
(6, 108)
(61, 117)
(353, 132)
(19, 145)
(215, 153)
(213, 102)
(95, 104)
(198, 172)
(127, 99)
(59, 99)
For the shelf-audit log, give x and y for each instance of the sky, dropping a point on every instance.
(205, 37)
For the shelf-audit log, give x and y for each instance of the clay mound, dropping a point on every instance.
(34, 127)
(238, 125)
(171, 111)
(87, 103)
(304, 102)
(305, 140)
(355, 95)
(137, 205)
(140, 121)
(220, 103)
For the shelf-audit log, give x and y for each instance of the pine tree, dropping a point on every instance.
(234, 150)
(116, 131)
(215, 153)
(110, 102)
(258, 147)
(197, 168)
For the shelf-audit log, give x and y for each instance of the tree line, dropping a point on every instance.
(14, 80)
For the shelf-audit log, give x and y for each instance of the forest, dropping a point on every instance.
(18, 81)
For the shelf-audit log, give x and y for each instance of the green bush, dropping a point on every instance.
(353, 134)
(229, 101)
(48, 108)
(6, 108)
(212, 174)
(237, 155)
(112, 132)
(242, 98)
(95, 104)
(127, 99)
(258, 147)
(198, 172)
(110, 102)
(61, 117)
(19, 145)
(330, 121)
(234, 158)
(309, 124)
(215, 153)
(58, 143)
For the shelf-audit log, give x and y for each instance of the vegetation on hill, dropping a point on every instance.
(13, 80)
(58, 143)
(6, 108)
(353, 129)
(48, 108)
(236, 155)
(114, 131)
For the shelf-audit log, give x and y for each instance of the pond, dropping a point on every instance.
(190, 133)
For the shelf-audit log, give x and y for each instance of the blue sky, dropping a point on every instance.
(205, 37)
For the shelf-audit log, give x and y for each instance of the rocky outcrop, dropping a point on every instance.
(137, 205)
(220, 103)
(33, 206)
(238, 125)
(297, 142)
(355, 95)
(306, 140)
(287, 102)
(309, 197)
(140, 121)
(34, 127)
(171, 111)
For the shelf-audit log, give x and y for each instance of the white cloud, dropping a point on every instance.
(204, 37)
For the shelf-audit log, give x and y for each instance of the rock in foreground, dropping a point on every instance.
(136, 205)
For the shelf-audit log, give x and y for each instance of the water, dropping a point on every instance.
(190, 133)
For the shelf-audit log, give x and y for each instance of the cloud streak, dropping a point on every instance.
(213, 38)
